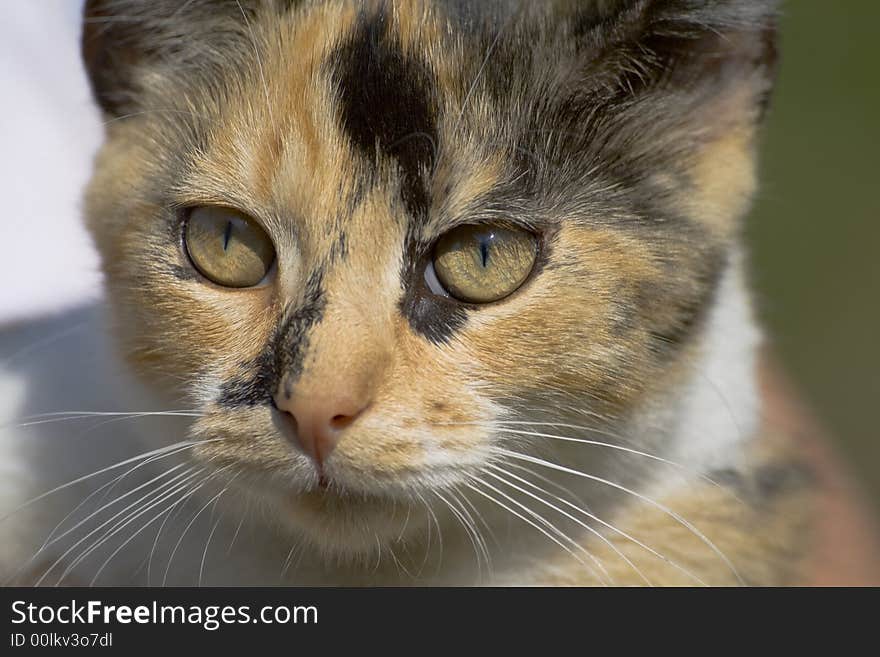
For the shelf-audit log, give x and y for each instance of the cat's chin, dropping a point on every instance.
(347, 525)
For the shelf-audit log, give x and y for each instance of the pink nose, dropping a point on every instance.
(318, 423)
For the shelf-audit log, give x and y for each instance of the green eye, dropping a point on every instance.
(227, 246)
(484, 263)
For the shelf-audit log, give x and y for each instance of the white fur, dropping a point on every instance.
(721, 404)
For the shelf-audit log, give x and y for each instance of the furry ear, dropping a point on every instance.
(684, 45)
(669, 94)
(126, 43)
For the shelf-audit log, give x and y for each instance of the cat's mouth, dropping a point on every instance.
(341, 520)
(329, 499)
(329, 495)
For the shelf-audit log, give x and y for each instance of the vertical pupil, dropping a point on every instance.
(484, 251)
(227, 234)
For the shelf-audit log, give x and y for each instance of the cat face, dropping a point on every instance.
(368, 239)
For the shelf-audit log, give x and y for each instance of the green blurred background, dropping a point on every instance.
(815, 230)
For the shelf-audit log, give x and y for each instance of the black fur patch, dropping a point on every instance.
(283, 355)
(765, 483)
(256, 386)
(437, 318)
(434, 317)
(387, 106)
(294, 340)
(777, 479)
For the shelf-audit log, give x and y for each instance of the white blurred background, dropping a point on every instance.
(49, 131)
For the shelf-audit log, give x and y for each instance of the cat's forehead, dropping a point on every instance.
(354, 111)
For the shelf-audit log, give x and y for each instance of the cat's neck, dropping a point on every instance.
(717, 408)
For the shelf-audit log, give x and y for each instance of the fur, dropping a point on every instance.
(622, 134)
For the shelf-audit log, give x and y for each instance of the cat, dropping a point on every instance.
(410, 292)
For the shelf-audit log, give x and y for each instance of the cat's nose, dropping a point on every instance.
(319, 423)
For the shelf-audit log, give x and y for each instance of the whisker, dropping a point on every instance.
(169, 514)
(107, 534)
(289, 560)
(190, 524)
(401, 569)
(210, 536)
(672, 514)
(378, 553)
(156, 110)
(500, 426)
(608, 525)
(573, 500)
(466, 527)
(116, 501)
(183, 411)
(543, 531)
(547, 523)
(405, 523)
(90, 414)
(473, 87)
(172, 514)
(479, 517)
(237, 529)
(433, 517)
(113, 482)
(25, 350)
(126, 516)
(457, 499)
(599, 443)
(48, 541)
(119, 549)
(120, 464)
(489, 52)
(580, 523)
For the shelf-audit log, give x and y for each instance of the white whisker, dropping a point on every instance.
(107, 535)
(528, 521)
(564, 513)
(190, 524)
(115, 501)
(672, 514)
(457, 497)
(210, 536)
(68, 416)
(237, 530)
(297, 545)
(129, 540)
(120, 464)
(608, 525)
(621, 448)
(468, 532)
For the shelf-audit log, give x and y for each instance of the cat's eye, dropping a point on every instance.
(228, 247)
(481, 263)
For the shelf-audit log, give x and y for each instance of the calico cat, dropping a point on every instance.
(411, 292)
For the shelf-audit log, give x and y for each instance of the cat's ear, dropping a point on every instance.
(680, 88)
(687, 47)
(128, 44)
